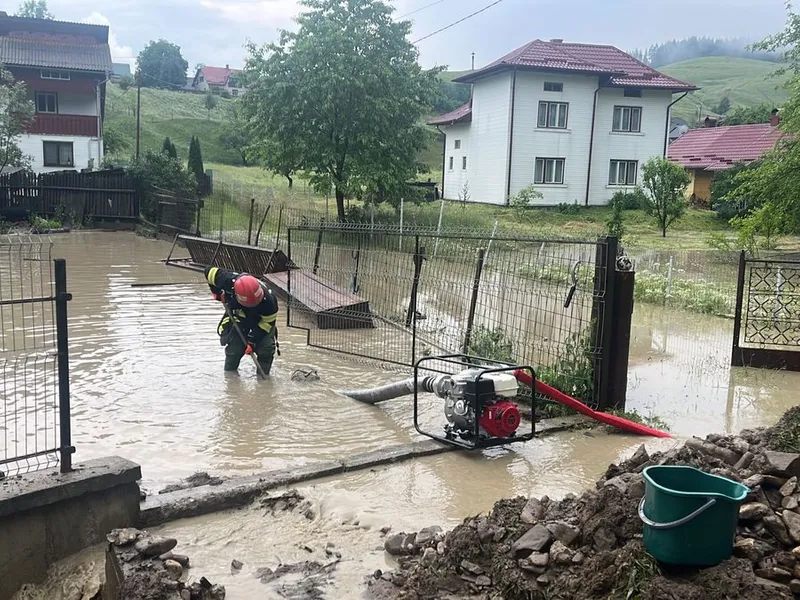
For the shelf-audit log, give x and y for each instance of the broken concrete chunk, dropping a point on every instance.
(745, 461)
(536, 539)
(564, 532)
(783, 463)
(724, 454)
(532, 512)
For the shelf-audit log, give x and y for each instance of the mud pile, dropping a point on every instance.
(590, 547)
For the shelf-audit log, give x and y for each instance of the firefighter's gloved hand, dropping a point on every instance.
(219, 296)
(249, 349)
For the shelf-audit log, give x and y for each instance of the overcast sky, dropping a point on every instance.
(214, 31)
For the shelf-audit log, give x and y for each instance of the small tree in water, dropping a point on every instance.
(665, 184)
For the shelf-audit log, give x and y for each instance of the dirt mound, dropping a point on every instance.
(590, 547)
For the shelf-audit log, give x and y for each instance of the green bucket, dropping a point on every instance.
(689, 516)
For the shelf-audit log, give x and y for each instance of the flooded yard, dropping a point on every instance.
(148, 385)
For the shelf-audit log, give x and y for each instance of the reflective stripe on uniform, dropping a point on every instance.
(212, 275)
(267, 321)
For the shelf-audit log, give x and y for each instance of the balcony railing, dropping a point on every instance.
(48, 124)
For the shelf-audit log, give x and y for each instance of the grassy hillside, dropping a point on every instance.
(176, 115)
(745, 81)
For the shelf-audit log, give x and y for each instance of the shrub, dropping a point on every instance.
(565, 208)
(630, 200)
(156, 169)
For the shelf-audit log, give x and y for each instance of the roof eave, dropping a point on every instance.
(486, 72)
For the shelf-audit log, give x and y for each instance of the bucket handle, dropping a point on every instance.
(711, 502)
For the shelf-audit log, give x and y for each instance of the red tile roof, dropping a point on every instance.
(620, 68)
(217, 75)
(463, 114)
(718, 148)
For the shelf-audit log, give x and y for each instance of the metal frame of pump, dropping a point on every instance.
(477, 399)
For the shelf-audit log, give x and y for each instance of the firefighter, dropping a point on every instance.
(255, 310)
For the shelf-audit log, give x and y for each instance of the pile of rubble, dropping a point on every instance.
(590, 547)
(140, 566)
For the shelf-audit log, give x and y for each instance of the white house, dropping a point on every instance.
(575, 120)
(65, 67)
(217, 79)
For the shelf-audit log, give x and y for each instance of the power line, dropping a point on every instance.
(461, 20)
(413, 12)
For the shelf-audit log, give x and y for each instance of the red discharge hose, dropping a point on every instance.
(578, 406)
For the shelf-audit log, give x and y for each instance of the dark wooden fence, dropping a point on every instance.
(107, 195)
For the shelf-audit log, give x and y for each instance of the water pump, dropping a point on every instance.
(481, 400)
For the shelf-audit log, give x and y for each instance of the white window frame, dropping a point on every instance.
(456, 144)
(550, 115)
(619, 172)
(451, 163)
(554, 86)
(623, 119)
(54, 74)
(59, 162)
(54, 95)
(549, 171)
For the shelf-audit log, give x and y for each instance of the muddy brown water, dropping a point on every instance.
(147, 384)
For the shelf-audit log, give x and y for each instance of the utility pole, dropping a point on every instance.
(138, 112)
(473, 61)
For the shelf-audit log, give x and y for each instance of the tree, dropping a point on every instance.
(169, 148)
(156, 169)
(210, 103)
(113, 140)
(665, 184)
(236, 136)
(723, 107)
(34, 9)
(126, 82)
(161, 65)
(16, 115)
(344, 97)
(747, 115)
(615, 226)
(195, 164)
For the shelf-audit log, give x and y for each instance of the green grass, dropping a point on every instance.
(165, 113)
(745, 81)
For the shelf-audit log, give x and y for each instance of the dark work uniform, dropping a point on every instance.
(258, 324)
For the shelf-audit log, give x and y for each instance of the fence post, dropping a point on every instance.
(250, 223)
(438, 229)
(419, 257)
(669, 278)
(221, 213)
(491, 239)
(62, 344)
(318, 250)
(736, 355)
(621, 338)
(473, 302)
(602, 315)
(402, 203)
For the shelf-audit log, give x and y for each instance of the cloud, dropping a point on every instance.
(248, 11)
(119, 53)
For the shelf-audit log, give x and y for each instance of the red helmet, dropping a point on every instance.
(248, 291)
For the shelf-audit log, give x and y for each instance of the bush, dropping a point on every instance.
(524, 198)
(615, 226)
(565, 208)
(697, 296)
(634, 200)
(156, 169)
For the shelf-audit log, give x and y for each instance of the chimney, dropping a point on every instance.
(556, 41)
(774, 118)
(227, 67)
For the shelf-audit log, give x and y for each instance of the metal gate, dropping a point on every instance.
(392, 296)
(766, 330)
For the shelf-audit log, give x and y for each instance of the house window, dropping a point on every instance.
(463, 163)
(627, 119)
(622, 172)
(451, 163)
(632, 93)
(234, 92)
(58, 154)
(553, 86)
(46, 102)
(553, 115)
(457, 144)
(549, 170)
(49, 74)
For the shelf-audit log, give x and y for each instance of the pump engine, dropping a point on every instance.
(479, 405)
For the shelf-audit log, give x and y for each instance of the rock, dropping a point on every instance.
(564, 532)
(543, 579)
(485, 531)
(532, 512)
(155, 546)
(636, 487)
(790, 503)
(471, 567)
(174, 569)
(560, 554)
(789, 488)
(753, 511)
(774, 498)
(123, 537)
(179, 558)
(724, 454)
(778, 530)
(499, 534)
(773, 481)
(539, 559)
(604, 540)
(428, 556)
(440, 548)
(483, 581)
(751, 549)
(639, 458)
(754, 480)
(796, 552)
(740, 445)
(427, 535)
(400, 544)
(536, 539)
(794, 586)
(620, 482)
(783, 463)
(186, 594)
(578, 558)
(236, 566)
(217, 592)
(775, 574)
(792, 521)
(745, 461)
(526, 565)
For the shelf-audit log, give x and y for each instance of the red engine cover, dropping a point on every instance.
(500, 419)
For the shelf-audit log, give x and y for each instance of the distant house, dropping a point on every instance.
(218, 79)
(703, 152)
(575, 120)
(65, 67)
(120, 70)
(677, 128)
